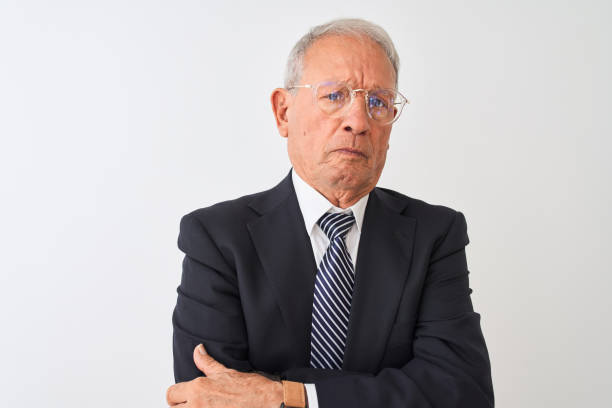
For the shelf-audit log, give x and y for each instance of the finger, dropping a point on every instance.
(205, 362)
(178, 393)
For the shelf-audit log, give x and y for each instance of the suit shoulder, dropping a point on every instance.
(217, 229)
(435, 221)
(232, 211)
(417, 208)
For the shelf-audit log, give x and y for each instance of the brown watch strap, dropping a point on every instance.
(294, 395)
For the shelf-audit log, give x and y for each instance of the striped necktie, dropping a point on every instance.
(332, 295)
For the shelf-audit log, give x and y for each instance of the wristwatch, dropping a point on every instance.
(294, 395)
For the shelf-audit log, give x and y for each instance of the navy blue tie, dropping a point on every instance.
(332, 295)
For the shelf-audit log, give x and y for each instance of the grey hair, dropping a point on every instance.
(354, 27)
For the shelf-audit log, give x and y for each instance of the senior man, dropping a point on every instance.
(327, 291)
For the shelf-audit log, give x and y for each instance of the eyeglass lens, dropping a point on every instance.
(332, 97)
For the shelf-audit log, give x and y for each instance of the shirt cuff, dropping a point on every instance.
(311, 395)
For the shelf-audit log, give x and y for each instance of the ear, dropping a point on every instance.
(281, 100)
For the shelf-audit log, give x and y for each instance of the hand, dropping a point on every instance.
(224, 387)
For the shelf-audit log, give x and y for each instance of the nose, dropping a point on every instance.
(356, 119)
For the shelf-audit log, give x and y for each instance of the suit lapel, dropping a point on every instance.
(285, 251)
(383, 263)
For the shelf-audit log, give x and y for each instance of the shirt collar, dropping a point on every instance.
(314, 204)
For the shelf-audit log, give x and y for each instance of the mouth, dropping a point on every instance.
(351, 152)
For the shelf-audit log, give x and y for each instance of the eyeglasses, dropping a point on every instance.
(332, 97)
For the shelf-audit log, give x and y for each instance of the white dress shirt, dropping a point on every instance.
(313, 205)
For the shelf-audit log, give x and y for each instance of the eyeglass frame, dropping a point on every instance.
(353, 92)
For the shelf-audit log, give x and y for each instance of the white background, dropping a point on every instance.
(118, 117)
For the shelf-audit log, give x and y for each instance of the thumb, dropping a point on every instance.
(205, 362)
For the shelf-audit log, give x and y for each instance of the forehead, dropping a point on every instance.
(357, 60)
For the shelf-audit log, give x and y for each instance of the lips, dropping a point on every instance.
(353, 152)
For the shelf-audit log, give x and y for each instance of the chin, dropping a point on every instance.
(347, 177)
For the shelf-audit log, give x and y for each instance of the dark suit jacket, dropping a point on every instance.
(414, 339)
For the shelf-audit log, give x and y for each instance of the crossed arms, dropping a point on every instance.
(450, 365)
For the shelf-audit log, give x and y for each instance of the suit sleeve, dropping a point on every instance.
(450, 367)
(208, 308)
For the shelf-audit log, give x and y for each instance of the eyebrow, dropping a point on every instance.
(374, 86)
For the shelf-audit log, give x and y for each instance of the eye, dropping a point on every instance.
(376, 102)
(334, 96)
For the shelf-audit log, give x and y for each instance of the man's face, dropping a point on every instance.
(346, 152)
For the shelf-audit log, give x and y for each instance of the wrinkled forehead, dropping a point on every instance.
(357, 60)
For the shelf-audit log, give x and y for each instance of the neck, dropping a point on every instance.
(337, 193)
(342, 198)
